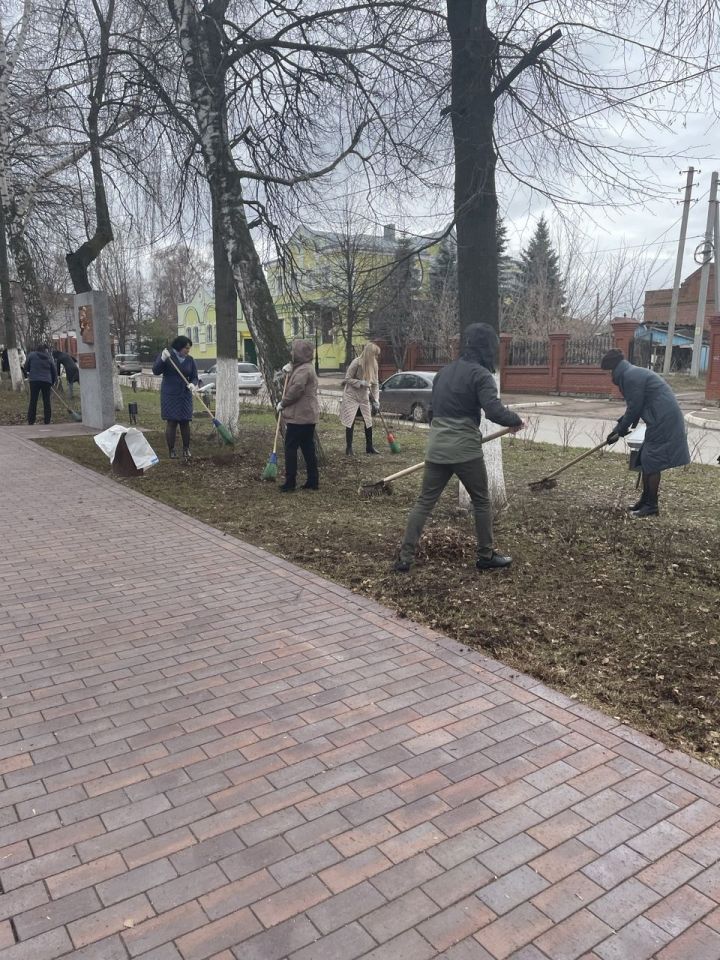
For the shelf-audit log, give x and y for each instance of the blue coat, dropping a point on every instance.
(649, 398)
(175, 399)
(40, 366)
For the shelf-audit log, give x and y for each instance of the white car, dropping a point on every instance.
(249, 377)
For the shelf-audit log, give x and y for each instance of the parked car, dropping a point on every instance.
(127, 363)
(408, 394)
(249, 377)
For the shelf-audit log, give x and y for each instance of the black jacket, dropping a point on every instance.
(463, 388)
(40, 366)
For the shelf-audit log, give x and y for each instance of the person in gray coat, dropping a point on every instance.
(649, 398)
(461, 391)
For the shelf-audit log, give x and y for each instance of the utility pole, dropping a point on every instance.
(672, 320)
(704, 277)
(717, 265)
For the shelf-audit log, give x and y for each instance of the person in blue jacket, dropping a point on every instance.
(176, 401)
(39, 367)
(649, 398)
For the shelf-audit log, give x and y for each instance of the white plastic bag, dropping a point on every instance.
(140, 450)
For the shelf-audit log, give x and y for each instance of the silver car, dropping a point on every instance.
(127, 363)
(249, 377)
(408, 394)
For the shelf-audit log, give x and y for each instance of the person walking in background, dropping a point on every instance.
(461, 391)
(649, 398)
(300, 410)
(176, 402)
(72, 373)
(361, 394)
(41, 372)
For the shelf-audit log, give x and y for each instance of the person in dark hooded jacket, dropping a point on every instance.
(461, 391)
(72, 372)
(300, 411)
(41, 373)
(649, 398)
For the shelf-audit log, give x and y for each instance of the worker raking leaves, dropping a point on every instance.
(461, 391)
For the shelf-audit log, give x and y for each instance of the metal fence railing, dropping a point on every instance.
(528, 353)
(587, 351)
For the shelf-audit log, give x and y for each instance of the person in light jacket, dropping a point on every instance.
(176, 401)
(649, 398)
(361, 394)
(300, 411)
(40, 370)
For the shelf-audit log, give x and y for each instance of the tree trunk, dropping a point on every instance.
(227, 400)
(200, 41)
(16, 376)
(349, 330)
(473, 49)
(38, 320)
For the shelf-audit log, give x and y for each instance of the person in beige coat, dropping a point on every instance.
(300, 411)
(361, 393)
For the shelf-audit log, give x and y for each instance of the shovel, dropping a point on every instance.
(549, 482)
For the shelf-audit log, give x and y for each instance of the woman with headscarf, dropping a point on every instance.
(300, 411)
(461, 391)
(178, 370)
(649, 398)
(361, 395)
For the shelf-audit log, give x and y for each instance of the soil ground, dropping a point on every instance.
(622, 614)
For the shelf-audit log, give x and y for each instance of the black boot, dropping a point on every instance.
(187, 456)
(369, 448)
(639, 504)
(348, 441)
(173, 454)
(648, 509)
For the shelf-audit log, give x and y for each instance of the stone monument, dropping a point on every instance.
(95, 360)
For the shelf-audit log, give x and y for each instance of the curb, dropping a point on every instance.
(696, 421)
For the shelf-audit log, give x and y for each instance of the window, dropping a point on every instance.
(398, 382)
(196, 337)
(188, 333)
(209, 333)
(327, 326)
(295, 326)
(310, 327)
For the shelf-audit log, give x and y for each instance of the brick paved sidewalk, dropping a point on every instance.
(209, 753)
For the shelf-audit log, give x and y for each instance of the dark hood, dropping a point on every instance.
(481, 345)
(302, 351)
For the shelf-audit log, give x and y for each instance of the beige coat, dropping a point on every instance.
(300, 402)
(356, 397)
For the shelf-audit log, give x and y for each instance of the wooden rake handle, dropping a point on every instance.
(418, 466)
(194, 393)
(572, 463)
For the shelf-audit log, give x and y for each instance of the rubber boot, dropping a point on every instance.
(639, 504)
(369, 448)
(187, 456)
(648, 509)
(348, 441)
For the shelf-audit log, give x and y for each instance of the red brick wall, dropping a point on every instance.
(657, 302)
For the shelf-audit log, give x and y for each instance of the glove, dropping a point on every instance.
(375, 408)
(165, 355)
(364, 383)
(193, 388)
(278, 407)
(287, 368)
(612, 437)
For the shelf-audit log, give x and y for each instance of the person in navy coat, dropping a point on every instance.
(176, 401)
(649, 398)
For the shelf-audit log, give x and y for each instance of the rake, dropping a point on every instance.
(389, 436)
(271, 467)
(549, 482)
(369, 491)
(73, 413)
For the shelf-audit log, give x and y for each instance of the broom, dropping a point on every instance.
(271, 467)
(390, 437)
(223, 432)
(73, 413)
(368, 491)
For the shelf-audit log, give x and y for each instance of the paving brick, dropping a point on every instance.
(614, 867)
(57, 913)
(135, 881)
(346, 944)
(278, 942)
(87, 875)
(404, 912)
(345, 907)
(411, 946)
(573, 937)
(625, 902)
(190, 886)
(640, 940)
(455, 923)
(22, 899)
(157, 931)
(680, 910)
(238, 894)
(566, 897)
(290, 901)
(698, 943)
(456, 883)
(155, 848)
(47, 946)
(512, 931)
(122, 916)
(37, 869)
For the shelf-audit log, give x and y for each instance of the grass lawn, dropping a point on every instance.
(623, 614)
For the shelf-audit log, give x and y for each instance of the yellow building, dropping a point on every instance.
(311, 297)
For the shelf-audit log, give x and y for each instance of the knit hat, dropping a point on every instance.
(611, 359)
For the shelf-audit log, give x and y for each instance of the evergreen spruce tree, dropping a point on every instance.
(541, 300)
